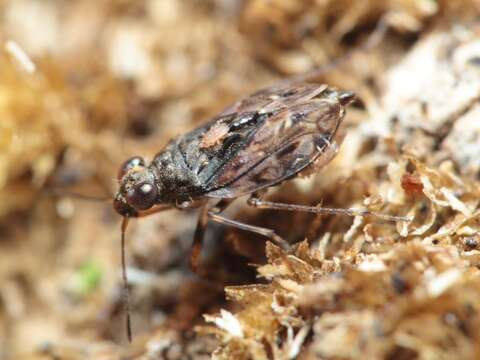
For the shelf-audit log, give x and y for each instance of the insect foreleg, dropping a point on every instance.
(198, 238)
(200, 230)
(153, 210)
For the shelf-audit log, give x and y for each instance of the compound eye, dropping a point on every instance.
(135, 161)
(142, 196)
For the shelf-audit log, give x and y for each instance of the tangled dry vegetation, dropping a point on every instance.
(118, 78)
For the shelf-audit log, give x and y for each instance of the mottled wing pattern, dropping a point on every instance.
(277, 97)
(205, 162)
(284, 145)
(244, 121)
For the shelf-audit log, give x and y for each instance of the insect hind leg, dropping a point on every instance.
(256, 202)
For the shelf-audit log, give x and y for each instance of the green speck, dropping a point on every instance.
(87, 278)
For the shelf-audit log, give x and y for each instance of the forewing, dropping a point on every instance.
(225, 141)
(276, 98)
(284, 145)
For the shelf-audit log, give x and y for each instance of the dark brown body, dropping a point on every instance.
(258, 142)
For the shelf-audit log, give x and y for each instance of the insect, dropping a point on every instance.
(260, 141)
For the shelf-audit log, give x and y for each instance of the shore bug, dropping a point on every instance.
(260, 141)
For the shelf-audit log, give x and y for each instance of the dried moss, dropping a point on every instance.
(119, 78)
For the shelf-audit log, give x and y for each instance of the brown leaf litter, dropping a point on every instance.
(112, 79)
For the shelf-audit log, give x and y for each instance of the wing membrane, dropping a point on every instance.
(243, 121)
(257, 142)
(285, 144)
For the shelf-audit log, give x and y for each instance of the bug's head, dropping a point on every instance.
(137, 188)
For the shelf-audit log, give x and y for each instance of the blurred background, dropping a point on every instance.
(86, 84)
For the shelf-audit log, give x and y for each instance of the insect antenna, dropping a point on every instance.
(80, 196)
(126, 292)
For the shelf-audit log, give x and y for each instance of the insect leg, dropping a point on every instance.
(153, 210)
(200, 230)
(257, 202)
(269, 233)
(198, 238)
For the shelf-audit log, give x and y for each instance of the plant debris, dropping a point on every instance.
(86, 85)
